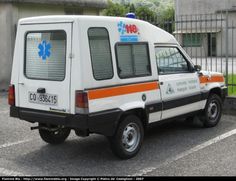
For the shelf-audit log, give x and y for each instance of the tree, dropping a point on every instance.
(132, 8)
(164, 13)
(168, 13)
(122, 2)
(145, 13)
(115, 9)
(167, 19)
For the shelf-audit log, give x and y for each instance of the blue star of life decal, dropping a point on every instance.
(121, 27)
(44, 50)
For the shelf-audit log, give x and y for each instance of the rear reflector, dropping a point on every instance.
(11, 95)
(81, 99)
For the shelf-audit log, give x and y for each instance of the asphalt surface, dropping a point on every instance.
(171, 149)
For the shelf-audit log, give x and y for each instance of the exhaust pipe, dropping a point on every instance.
(45, 128)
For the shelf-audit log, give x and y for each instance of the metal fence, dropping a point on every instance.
(209, 39)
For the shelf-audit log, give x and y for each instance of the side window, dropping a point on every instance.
(170, 61)
(100, 51)
(133, 60)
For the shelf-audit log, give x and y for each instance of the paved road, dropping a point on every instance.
(170, 149)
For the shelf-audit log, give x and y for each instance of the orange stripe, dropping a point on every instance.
(216, 78)
(122, 90)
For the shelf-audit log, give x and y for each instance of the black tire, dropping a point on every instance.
(212, 112)
(129, 131)
(54, 137)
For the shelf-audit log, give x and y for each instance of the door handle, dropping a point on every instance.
(161, 83)
(21, 83)
(41, 90)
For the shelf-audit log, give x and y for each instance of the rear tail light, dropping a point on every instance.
(11, 95)
(81, 100)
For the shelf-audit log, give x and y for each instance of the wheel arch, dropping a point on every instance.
(139, 112)
(217, 91)
(206, 116)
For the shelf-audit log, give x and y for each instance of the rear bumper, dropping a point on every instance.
(102, 123)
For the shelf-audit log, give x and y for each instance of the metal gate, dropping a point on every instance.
(209, 39)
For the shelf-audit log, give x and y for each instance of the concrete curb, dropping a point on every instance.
(230, 106)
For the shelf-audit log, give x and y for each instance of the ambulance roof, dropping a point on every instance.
(154, 33)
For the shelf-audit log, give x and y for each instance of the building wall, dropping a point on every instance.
(187, 9)
(193, 7)
(6, 44)
(27, 10)
(9, 16)
(91, 12)
(197, 51)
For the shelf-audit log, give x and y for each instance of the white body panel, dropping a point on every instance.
(170, 113)
(79, 72)
(155, 117)
(59, 88)
(179, 86)
(124, 102)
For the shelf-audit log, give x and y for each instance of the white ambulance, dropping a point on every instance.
(106, 75)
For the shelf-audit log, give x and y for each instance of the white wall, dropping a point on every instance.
(6, 44)
(191, 7)
(201, 8)
(28, 10)
(9, 16)
(91, 12)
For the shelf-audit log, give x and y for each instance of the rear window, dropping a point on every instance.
(45, 55)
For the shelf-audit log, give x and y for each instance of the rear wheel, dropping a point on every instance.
(212, 112)
(128, 138)
(53, 134)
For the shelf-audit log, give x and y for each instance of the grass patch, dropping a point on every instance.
(232, 89)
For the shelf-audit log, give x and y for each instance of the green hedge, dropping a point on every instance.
(232, 80)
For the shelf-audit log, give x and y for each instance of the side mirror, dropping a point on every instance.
(197, 68)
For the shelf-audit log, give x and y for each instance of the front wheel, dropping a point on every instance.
(212, 112)
(54, 135)
(128, 138)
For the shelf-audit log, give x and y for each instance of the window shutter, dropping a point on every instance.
(125, 65)
(53, 66)
(133, 60)
(141, 60)
(100, 53)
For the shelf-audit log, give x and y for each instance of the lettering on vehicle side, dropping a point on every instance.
(181, 86)
(186, 85)
(170, 89)
(128, 32)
